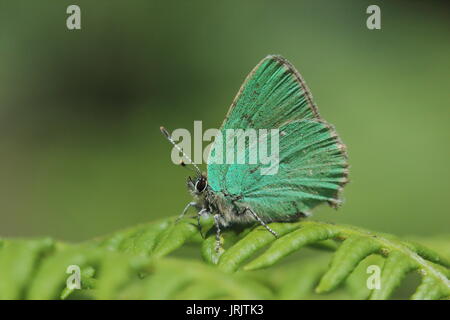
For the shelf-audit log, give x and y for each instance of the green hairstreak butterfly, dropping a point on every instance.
(312, 163)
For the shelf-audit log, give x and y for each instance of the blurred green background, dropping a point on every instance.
(81, 152)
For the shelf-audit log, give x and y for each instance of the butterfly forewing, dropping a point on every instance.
(273, 92)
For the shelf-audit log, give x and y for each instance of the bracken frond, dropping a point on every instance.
(132, 264)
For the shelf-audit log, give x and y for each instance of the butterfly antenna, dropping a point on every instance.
(184, 165)
(169, 137)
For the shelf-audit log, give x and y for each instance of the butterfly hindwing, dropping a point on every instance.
(312, 170)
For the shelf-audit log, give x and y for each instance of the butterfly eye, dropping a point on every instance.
(201, 184)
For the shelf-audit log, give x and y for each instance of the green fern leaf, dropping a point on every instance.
(352, 251)
(132, 264)
(402, 256)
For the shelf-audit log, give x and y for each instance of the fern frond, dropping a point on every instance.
(190, 279)
(356, 244)
(132, 264)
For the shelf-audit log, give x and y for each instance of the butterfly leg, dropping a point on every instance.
(199, 215)
(262, 222)
(216, 221)
(190, 204)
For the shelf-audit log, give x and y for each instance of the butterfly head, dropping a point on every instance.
(197, 185)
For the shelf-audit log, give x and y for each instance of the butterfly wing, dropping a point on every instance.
(273, 92)
(312, 160)
(312, 170)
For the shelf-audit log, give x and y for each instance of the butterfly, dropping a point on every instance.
(312, 161)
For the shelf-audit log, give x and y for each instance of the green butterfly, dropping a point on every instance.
(313, 164)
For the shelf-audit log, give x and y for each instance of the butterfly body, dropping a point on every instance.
(312, 162)
(216, 202)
